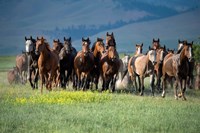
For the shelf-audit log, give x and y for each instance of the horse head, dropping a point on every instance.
(86, 46)
(139, 48)
(181, 45)
(156, 43)
(112, 53)
(67, 42)
(99, 46)
(110, 40)
(161, 53)
(29, 44)
(188, 50)
(152, 55)
(170, 51)
(57, 45)
(40, 45)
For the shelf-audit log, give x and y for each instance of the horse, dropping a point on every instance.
(177, 66)
(160, 54)
(22, 66)
(110, 65)
(66, 61)
(12, 76)
(30, 45)
(142, 66)
(156, 43)
(47, 63)
(190, 80)
(98, 49)
(123, 66)
(83, 65)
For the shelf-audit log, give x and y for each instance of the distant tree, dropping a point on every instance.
(196, 52)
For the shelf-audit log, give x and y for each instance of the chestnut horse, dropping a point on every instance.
(98, 49)
(66, 56)
(47, 63)
(83, 65)
(32, 62)
(57, 46)
(110, 64)
(177, 65)
(142, 66)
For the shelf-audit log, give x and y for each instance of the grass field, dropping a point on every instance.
(25, 110)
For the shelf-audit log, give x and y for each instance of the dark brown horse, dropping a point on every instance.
(47, 63)
(110, 64)
(176, 65)
(32, 62)
(57, 46)
(66, 56)
(160, 54)
(190, 79)
(83, 65)
(98, 49)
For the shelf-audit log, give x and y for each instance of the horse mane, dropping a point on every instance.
(93, 46)
(47, 46)
(179, 50)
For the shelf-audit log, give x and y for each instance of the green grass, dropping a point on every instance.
(7, 62)
(117, 112)
(25, 110)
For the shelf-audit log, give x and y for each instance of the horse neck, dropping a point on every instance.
(45, 52)
(182, 55)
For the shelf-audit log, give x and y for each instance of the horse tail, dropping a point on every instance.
(124, 74)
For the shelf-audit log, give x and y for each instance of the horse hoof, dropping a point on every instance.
(141, 94)
(179, 95)
(163, 96)
(176, 97)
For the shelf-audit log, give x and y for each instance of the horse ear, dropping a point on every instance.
(107, 34)
(149, 48)
(179, 41)
(142, 45)
(192, 42)
(70, 39)
(158, 40)
(64, 39)
(42, 38)
(31, 38)
(25, 38)
(82, 39)
(37, 38)
(58, 40)
(164, 47)
(153, 40)
(112, 34)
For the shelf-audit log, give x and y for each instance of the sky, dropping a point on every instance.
(85, 18)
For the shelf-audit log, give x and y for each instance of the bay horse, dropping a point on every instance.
(47, 63)
(110, 65)
(83, 65)
(57, 46)
(66, 57)
(160, 54)
(30, 45)
(190, 79)
(142, 66)
(98, 49)
(177, 65)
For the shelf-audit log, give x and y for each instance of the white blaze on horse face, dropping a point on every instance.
(180, 46)
(138, 50)
(29, 46)
(152, 56)
(190, 52)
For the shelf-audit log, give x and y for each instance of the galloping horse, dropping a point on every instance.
(97, 49)
(47, 63)
(143, 66)
(66, 56)
(190, 80)
(110, 65)
(32, 61)
(176, 65)
(83, 65)
(161, 53)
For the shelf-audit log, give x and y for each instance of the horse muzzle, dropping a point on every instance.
(37, 52)
(154, 62)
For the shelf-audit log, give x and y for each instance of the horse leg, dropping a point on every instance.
(36, 76)
(113, 82)
(142, 85)
(175, 88)
(163, 85)
(62, 78)
(152, 84)
(183, 90)
(30, 78)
